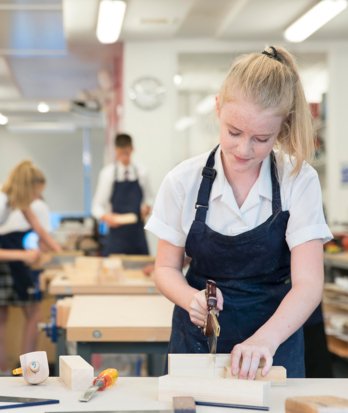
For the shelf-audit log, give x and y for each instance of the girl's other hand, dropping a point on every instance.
(246, 357)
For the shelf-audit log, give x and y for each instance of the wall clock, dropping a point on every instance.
(147, 92)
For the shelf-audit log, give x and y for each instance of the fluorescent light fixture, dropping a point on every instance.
(184, 123)
(206, 105)
(110, 18)
(3, 119)
(42, 127)
(315, 18)
(42, 107)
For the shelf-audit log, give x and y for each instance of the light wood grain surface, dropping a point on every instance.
(120, 318)
(130, 282)
(214, 366)
(131, 394)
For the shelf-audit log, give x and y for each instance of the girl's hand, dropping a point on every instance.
(110, 220)
(31, 256)
(246, 357)
(198, 307)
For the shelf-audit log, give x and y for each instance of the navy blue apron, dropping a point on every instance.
(251, 269)
(126, 197)
(22, 276)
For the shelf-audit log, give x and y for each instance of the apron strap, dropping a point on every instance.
(209, 175)
(276, 199)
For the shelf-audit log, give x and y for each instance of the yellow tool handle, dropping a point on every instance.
(106, 378)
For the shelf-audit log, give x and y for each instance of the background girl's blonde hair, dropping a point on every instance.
(21, 184)
(272, 81)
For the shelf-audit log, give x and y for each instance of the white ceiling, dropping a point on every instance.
(48, 48)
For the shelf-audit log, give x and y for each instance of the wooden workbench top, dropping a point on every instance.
(132, 282)
(120, 318)
(131, 393)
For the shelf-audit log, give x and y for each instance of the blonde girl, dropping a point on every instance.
(249, 215)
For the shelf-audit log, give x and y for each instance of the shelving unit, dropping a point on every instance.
(336, 305)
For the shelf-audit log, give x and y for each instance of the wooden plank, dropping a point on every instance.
(63, 310)
(120, 318)
(214, 366)
(214, 389)
(316, 404)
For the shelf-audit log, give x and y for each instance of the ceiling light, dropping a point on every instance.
(315, 18)
(177, 79)
(42, 127)
(110, 18)
(3, 119)
(184, 123)
(42, 107)
(206, 105)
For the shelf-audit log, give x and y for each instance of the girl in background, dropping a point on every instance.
(24, 185)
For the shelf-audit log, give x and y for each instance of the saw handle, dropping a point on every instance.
(210, 292)
(212, 326)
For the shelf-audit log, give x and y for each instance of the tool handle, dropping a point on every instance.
(105, 379)
(210, 291)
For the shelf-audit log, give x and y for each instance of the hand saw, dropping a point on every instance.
(212, 326)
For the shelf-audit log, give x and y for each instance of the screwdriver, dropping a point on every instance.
(105, 379)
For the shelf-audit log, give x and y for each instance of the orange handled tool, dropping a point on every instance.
(105, 379)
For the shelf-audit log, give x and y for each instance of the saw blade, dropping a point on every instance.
(212, 343)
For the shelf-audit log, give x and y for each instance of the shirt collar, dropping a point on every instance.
(264, 184)
(265, 181)
(219, 182)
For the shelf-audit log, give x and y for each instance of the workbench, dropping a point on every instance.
(335, 300)
(133, 282)
(121, 324)
(141, 394)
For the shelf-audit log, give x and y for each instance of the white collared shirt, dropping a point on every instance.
(174, 209)
(16, 221)
(101, 200)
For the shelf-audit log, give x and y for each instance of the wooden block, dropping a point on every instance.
(124, 219)
(217, 390)
(277, 375)
(75, 372)
(111, 270)
(88, 263)
(184, 405)
(219, 366)
(316, 404)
